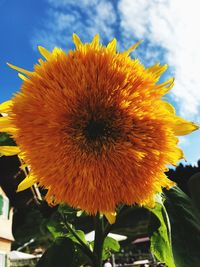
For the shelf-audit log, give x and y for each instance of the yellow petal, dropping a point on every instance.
(5, 107)
(21, 76)
(166, 85)
(133, 47)
(19, 69)
(157, 70)
(77, 40)
(21, 156)
(112, 45)
(183, 127)
(5, 122)
(179, 154)
(23, 166)
(56, 51)
(9, 130)
(110, 216)
(27, 182)
(170, 184)
(95, 41)
(6, 125)
(9, 150)
(169, 108)
(44, 52)
(149, 203)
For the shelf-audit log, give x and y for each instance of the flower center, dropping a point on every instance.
(96, 129)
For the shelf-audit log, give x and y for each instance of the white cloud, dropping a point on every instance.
(174, 26)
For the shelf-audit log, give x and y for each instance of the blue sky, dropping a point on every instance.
(169, 29)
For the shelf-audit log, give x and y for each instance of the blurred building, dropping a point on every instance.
(6, 236)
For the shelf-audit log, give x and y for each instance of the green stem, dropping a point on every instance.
(98, 241)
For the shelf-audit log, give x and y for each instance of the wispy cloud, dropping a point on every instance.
(170, 29)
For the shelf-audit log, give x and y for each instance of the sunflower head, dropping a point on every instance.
(93, 128)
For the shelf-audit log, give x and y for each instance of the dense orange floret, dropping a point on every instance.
(93, 128)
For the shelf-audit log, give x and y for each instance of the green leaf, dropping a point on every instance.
(110, 245)
(55, 226)
(160, 237)
(185, 227)
(80, 234)
(194, 188)
(6, 140)
(60, 254)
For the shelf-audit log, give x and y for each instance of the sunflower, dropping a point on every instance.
(93, 128)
